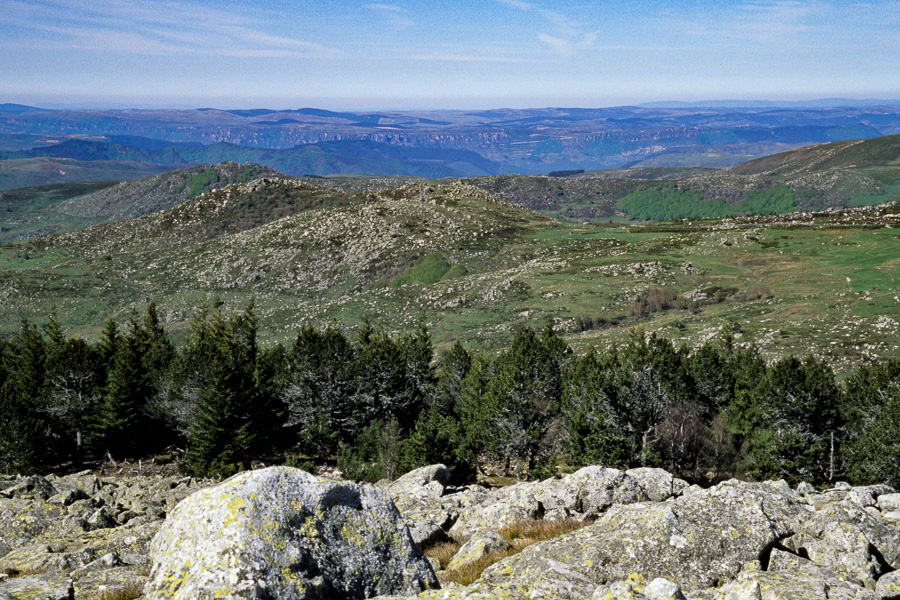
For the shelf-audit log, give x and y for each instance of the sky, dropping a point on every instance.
(422, 54)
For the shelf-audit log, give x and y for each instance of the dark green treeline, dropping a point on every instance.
(382, 405)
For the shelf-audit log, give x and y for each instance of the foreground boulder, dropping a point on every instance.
(283, 533)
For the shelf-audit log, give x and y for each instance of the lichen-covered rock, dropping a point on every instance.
(39, 558)
(34, 487)
(481, 544)
(583, 494)
(45, 586)
(658, 484)
(126, 581)
(502, 507)
(889, 502)
(744, 588)
(23, 521)
(283, 533)
(417, 496)
(868, 495)
(794, 584)
(598, 488)
(805, 489)
(663, 589)
(849, 542)
(888, 586)
(698, 540)
(892, 518)
(419, 482)
(465, 593)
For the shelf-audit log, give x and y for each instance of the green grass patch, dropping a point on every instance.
(431, 269)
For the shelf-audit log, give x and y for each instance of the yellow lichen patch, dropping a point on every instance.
(235, 505)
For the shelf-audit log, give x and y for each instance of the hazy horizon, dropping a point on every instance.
(662, 104)
(412, 56)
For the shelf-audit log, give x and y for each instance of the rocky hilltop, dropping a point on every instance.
(283, 533)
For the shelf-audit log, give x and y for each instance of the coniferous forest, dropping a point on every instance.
(380, 405)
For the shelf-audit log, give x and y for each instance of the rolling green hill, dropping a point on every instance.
(26, 172)
(327, 157)
(475, 266)
(44, 210)
(855, 154)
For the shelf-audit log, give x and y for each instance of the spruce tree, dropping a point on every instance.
(25, 438)
(72, 383)
(453, 368)
(128, 388)
(218, 377)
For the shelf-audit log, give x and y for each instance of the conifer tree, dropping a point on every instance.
(799, 434)
(418, 353)
(217, 379)
(475, 410)
(128, 389)
(24, 429)
(72, 381)
(382, 387)
(320, 389)
(525, 393)
(596, 431)
(454, 366)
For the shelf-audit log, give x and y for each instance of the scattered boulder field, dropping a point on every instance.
(281, 533)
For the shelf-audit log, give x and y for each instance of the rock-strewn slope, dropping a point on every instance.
(654, 537)
(80, 534)
(648, 536)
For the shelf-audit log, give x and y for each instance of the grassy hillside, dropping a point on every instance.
(26, 172)
(45, 210)
(475, 266)
(855, 154)
(327, 157)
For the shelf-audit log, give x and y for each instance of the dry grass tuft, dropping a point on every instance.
(128, 592)
(520, 535)
(443, 552)
(468, 574)
(525, 533)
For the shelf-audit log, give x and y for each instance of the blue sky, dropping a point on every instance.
(424, 54)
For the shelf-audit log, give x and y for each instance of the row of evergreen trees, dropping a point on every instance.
(382, 405)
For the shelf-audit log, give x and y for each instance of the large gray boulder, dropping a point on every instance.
(43, 586)
(658, 484)
(699, 540)
(417, 495)
(848, 542)
(283, 533)
(583, 494)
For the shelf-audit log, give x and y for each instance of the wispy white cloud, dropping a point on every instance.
(148, 27)
(396, 16)
(563, 47)
(761, 22)
(449, 57)
(518, 4)
(568, 36)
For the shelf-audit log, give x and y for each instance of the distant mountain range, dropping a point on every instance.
(820, 103)
(444, 143)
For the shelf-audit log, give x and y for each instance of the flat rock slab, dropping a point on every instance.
(46, 586)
